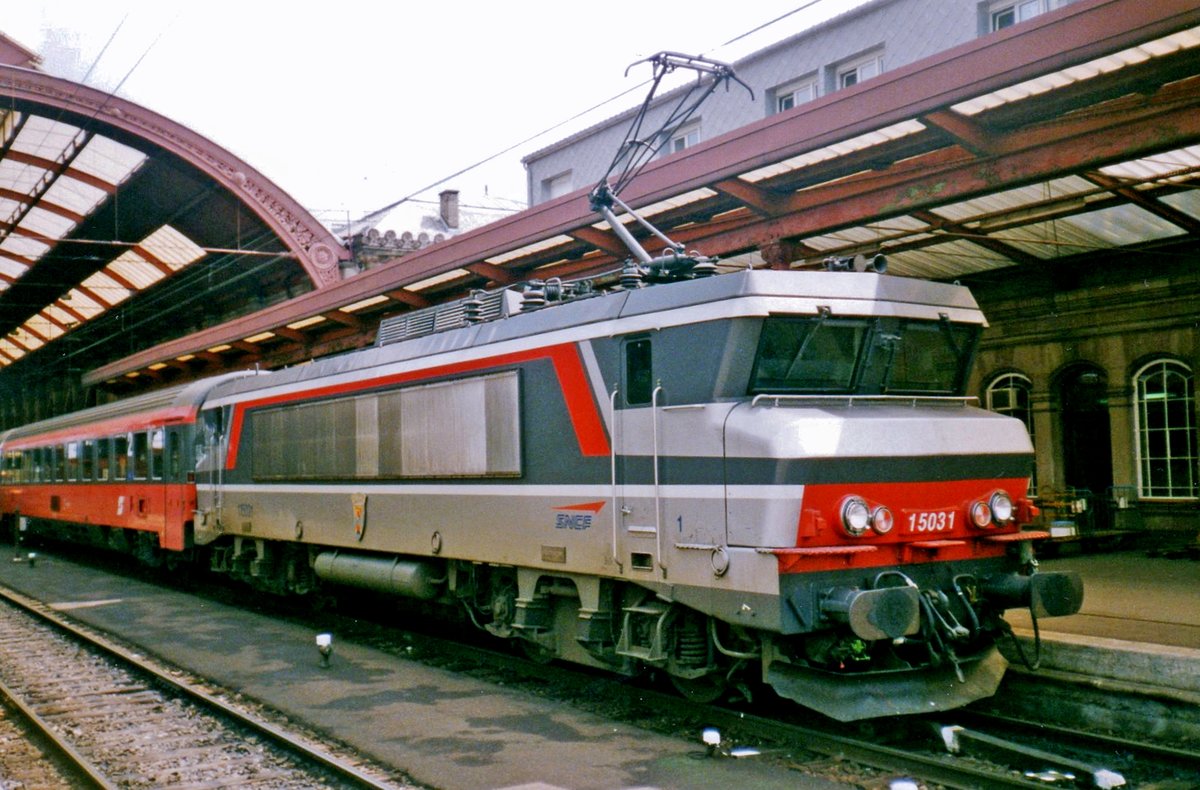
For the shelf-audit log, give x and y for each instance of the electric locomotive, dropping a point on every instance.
(764, 474)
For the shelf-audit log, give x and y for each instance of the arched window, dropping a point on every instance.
(1165, 411)
(1010, 395)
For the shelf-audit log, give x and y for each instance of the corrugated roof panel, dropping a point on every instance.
(11, 349)
(107, 288)
(73, 194)
(83, 304)
(886, 134)
(695, 196)
(306, 322)
(11, 268)
(1188, 202)
(437, 279)
(24, 246)
(62, 316)
(44, 327)
(19, 177)
(536, 247)
(8, 206)
(1011, 200)
(1183, 40)
(172, 247)
(38, 220)
(895, 228)
(1123, 225)
(133, 268)
(945, 261)
(108, 160)
(22, 336)
(1168, 166)
(1049, 240)
(45, 137)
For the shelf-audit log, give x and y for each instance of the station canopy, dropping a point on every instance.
(1070, 138)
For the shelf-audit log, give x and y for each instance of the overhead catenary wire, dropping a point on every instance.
(367, 219)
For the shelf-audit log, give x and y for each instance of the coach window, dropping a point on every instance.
(87, 461)
(120, 457)
(72, 460)
(60, 463)
(156, 454)
(35, 471)
(103, 457)
(141, 455)
(639, 375)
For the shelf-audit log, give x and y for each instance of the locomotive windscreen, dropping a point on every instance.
(857, 356)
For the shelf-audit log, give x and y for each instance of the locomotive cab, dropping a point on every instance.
(905, 541)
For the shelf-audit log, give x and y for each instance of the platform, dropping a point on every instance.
(446, 730)
(1139, 624)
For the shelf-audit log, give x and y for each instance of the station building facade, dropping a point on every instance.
(1097, 356)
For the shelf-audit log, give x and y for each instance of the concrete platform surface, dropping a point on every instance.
(444, 729)
(1140, 621)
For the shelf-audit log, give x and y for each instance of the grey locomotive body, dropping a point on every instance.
(766, 472)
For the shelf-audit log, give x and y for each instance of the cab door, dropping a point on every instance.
(637, 519)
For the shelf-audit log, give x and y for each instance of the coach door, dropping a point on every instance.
(210, 468)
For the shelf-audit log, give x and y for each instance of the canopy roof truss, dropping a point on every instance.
(1073, 135)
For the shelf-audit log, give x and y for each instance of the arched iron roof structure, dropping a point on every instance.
(120, 227)
(1046, 145)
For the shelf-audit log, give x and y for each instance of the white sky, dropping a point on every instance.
(351, 105)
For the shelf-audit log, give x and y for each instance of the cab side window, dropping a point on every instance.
(639, 375)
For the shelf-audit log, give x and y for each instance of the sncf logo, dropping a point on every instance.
(578, 516)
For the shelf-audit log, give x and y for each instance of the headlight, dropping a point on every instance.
(981, 515)
(1002, 507)
(856, 516)
(881, 520)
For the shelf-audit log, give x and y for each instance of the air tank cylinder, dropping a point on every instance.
(391, 575)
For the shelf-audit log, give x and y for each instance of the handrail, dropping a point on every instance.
(612, 421)
(850, 400)
(657, 495)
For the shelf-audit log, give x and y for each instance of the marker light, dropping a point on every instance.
(856, 516)
(981, 515)
(881, 520)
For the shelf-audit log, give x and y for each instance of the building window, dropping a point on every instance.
(556, 186)
(1165, 413)
(859, 70)
(1011, 395)
(684, 137)
(1008, 13)
(795, 93)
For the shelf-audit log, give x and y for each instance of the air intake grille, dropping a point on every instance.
(480, 306)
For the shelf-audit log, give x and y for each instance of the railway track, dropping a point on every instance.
(995, 752)
(118, 721)
(857, 754)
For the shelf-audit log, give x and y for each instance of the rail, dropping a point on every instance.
(348, 769)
